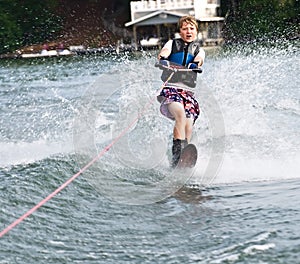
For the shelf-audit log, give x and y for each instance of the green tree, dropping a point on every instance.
(252, 20)
(37, 20)
(10, 32)
(27, 22)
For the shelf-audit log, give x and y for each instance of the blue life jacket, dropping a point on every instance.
(182, 54)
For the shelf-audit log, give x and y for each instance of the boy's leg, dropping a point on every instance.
(189, 128)
(177, 147)
(177, 111)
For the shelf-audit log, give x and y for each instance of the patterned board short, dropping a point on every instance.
(169, 95)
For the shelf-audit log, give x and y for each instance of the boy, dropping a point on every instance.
(177, 96)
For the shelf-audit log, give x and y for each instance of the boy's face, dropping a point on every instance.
(188, 32)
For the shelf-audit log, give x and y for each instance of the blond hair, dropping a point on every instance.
(188, 20)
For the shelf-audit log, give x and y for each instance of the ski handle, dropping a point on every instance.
(162, 67)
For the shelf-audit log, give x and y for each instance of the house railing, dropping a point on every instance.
(142, 6)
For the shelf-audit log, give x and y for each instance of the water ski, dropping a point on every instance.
(188, 157)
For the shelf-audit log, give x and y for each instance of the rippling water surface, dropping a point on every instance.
(240, 204)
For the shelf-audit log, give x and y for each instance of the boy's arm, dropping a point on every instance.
(166, 50)
(200, 58)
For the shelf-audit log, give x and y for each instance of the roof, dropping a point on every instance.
(165, 17)
(156, 18)
(210, 19)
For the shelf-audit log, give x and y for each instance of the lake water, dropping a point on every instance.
(240, 204)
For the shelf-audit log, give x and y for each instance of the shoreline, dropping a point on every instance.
(80, 50)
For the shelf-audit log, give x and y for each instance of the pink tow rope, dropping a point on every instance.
(64, 185)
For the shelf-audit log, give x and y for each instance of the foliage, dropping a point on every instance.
(27, 22)
(256, 20)
(10, 33)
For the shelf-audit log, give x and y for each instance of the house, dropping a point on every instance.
(156, 21)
